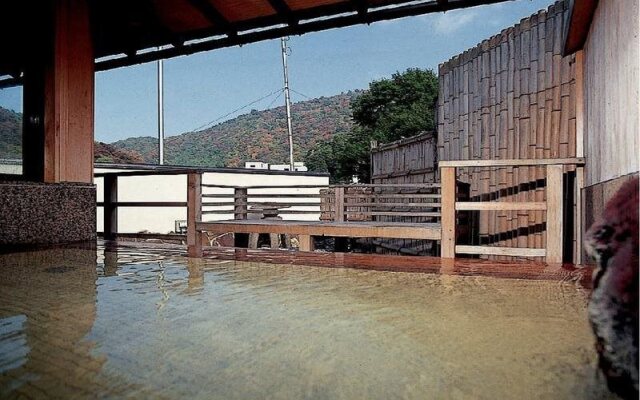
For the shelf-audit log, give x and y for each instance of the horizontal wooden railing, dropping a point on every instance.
(553, 206)
(358, 202)
(111, 204)
(381, 202)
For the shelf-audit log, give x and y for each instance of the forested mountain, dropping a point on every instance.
(10, 134)
(258, 135)
(11, 142)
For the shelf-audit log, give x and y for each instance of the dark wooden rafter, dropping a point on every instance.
(276, 32)
(361, 6)
(285, 13)
(576, 29)
(147, 32)
(214, 16)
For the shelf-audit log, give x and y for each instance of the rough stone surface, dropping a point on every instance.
(41, 213)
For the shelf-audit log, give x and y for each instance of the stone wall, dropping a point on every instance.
(41, 213)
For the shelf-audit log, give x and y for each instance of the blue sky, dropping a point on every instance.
(204, 87)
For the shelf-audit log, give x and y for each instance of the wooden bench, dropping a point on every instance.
(306, 230)
(345, 206)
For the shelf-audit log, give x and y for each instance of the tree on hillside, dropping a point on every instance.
(391, 109)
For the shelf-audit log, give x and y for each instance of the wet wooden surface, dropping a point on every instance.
(434, 265)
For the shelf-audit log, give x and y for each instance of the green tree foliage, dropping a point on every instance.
(10, 134)
(391, 109)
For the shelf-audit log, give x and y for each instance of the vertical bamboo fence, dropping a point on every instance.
(511, 97)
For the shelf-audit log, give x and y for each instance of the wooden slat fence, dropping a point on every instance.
(411, 160)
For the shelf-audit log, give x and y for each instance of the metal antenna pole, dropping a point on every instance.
(160, 113)
(287, 101)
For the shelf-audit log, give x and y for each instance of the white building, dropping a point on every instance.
(256, 165)
(298, 166)
(173, 188)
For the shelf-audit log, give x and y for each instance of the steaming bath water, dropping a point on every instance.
(152, 324)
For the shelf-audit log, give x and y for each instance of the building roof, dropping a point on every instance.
(576, 31)
(127, 32)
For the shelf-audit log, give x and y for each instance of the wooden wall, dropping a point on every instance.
(411, 160)
(611, 85)
(513, 96)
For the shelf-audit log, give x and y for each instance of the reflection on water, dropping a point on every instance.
(125, 323)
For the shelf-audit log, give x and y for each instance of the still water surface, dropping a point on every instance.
(150, 324)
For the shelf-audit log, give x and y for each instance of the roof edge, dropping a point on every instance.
(577, 29)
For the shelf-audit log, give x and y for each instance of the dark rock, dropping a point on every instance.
(613, 307)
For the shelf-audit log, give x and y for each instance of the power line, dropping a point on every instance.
(301, 94)
(222, 135)
(236, 110)
(274, 100)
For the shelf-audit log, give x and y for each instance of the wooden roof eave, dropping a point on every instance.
(130, 48)
(306, 21)
(579, 22)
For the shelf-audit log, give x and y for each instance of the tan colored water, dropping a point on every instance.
(146, 325)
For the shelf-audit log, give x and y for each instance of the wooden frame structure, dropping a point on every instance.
(447, 231)
(553, 206)
(129, 33)
(343, 212)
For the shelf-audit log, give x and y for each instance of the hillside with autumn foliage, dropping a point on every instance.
(11, 143)
(255, 136)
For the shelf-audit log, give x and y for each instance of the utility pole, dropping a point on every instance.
(287, 100)
(160, 113)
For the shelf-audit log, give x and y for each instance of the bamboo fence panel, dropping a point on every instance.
(510, 97)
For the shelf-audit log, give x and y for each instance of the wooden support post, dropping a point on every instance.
(579, 217)
(59, 95)
(555, 223)
(448, 220)
(306, 242)
(339, 205)
(110, 216)
(194, 214)
(274, 240)
(240, 203)
(240, 198)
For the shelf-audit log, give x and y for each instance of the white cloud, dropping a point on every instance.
(451, 21)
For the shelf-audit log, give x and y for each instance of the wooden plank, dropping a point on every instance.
(512, 162)
(579, 100)
(339, 204)
(555, 221)
(423, 231)
(500, 206)
(579, 218)
(256, 196)
(240, 199)
(448, 219)
(110, 215)
(147, 204)
(393, 185)
(306, 243)
(194, 215)
(379, 204)
(398, 213)
(283, 212)
(500, 251)
(266, 186)
(394, 196)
